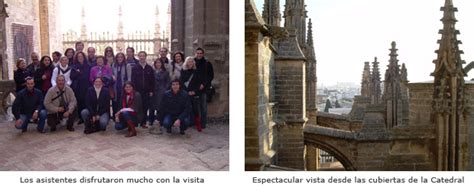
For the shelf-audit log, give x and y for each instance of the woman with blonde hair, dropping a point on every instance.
(191, 81)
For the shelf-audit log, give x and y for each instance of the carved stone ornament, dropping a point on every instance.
(278, 33)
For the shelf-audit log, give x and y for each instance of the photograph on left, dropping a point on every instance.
(129, 85)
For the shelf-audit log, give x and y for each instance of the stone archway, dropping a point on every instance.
(337, 153)
(345, 161)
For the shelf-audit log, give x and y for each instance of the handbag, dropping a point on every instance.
(210, 93)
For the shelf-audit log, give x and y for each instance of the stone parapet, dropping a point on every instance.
(6, 88)
(420, 103)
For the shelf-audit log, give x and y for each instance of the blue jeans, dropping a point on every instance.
(103, 120)
(169, 120)
(26, 118)
(203, 98)
(125, 117)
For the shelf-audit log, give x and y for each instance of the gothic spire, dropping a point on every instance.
(375, 90)
(365, 83)
(157, 23)
(120, 24)
(449, 54)
(310, 54)
(3, 10)
(83, 25)
(271, 12)
(310, 70)
(404, 73)
(375, 70)
(393, 69)
(310, 33)
(449, 95)
(295, 17)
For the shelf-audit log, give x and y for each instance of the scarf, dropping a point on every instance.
(97, 91)
(63, 70)
(126, 104)
(119, 67)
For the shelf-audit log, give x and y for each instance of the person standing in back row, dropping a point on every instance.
(34, 65)
(44, 74)
(91, 57)
(206, 72)
(143, 77)
(20, 74)
(163, 56)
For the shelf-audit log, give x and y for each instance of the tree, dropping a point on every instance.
(328, 105)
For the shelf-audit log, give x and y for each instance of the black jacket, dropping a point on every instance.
(194, 82)
(26, 103)
(143, 79)
(80, 80)
(33, 68)
(176, 105)
(39, 82)
(205, 70)
(19, 77)
(98, 106)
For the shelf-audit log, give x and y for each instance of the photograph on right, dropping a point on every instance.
(323, 93)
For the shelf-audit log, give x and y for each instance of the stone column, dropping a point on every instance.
(311, 158)
(290, 93)
(3, 41)
(177, 24)
(44, 27)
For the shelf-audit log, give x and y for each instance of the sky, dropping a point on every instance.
(347, 33)
(102, 15)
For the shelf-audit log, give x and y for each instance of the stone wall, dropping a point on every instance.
(23, 13)
(420, 114)
(358, 108)
(290, 95)
(266, 128)
(469, 122)
(289, 89)
(420, 103)
(260, 132)
(55, 33)
(252, 136)
(337, 122)
(401, 149)
(205, 23)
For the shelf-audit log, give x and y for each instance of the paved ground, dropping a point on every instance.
(110, 150)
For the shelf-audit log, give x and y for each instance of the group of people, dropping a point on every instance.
(95, 89)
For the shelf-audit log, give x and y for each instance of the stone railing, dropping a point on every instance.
(6, 87)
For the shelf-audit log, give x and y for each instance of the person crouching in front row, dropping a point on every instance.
(175, 108)
(131, 112)
(28, 105)
(60, 103)
(97, 107)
